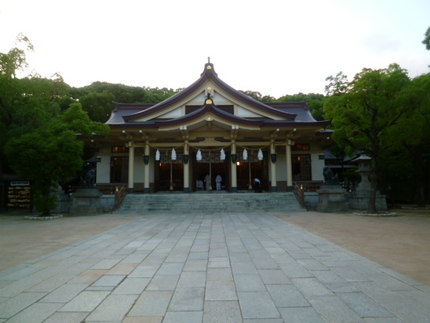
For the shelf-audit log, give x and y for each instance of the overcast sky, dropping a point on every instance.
(273, 47)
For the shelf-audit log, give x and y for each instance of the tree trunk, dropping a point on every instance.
(45, 205)
(420, 194)
(373, 190)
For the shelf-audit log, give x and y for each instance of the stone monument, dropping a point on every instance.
(331, 195)
(86, 199)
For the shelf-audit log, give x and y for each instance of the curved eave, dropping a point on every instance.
(247, 99)
(170, 101)
(293, 124)
(134, 125)
(209, 73)
(205, 110)
(132, 106)
(325, 132)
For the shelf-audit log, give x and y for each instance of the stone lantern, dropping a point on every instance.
(359, 199)
(364, 171)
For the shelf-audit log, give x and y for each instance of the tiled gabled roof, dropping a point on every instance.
(208, 73)
(208, 108)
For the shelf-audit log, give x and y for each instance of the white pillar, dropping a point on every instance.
(186, 168)
(146, 188)
(131, 167)
(233, 168)
(273, 168)
(289, 166)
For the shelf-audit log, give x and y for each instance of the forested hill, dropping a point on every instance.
(97, 98)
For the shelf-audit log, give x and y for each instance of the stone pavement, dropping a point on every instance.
(208, 268)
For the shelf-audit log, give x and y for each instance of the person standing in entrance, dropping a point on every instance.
(208, 182)
(257, 185)
(218, 180)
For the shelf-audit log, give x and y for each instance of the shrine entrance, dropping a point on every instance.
(169, 174)
(249, 169)
(210, 166)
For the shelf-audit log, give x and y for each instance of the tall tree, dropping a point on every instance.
(368, 111)
(15, 59)
(406, 161)
(51, 154)
(25, 103)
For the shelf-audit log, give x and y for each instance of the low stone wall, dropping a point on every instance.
(107, 202)
(65, 203)
(360, 201)
(355, 202)
(311, 200)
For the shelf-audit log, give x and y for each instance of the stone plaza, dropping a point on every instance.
(221, 267)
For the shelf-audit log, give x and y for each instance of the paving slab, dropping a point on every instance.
(208, 268)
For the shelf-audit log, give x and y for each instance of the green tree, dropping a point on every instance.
(253, 94)
(314, 101)
(337, 84)
(406, 163)
(366, 114)
(25, 103)
(51, 154)
(98, 105)
(426, 40)
(268, 98)
(124, 93)
(15, 59)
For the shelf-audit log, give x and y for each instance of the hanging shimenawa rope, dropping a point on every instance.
(199, 151)
(222, 154)
(260, 155)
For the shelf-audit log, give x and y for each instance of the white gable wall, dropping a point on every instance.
(245, 113)
(219, 98)
(176, 113)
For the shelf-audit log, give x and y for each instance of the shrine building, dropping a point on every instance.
(210, 129)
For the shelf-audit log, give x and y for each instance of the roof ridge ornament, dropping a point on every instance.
(209, 95)
(209, 69)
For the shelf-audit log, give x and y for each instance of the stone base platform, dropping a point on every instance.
(86, 201)
(42, 218)
(332, 199)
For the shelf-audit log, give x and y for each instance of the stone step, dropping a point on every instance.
(211, 202)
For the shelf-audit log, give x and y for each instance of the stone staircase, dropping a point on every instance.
(209, 202)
